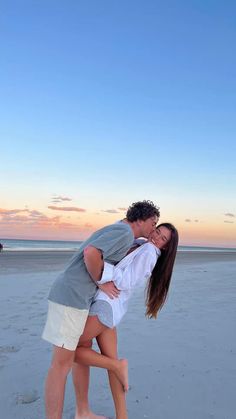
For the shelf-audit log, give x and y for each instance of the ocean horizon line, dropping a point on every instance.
(73, 245)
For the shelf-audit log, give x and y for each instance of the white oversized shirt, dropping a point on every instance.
(131, 272)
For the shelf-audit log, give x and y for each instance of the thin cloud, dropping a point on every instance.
(188, 220)
(18, 219)
(111, 211)
(35, 213)
(122, 209)
(68, 226)
(229, 214)
(75, 209)
(57, 199)
(10, 217)
(229, 222)
(12, 212)
(33, 219)
(196, 221)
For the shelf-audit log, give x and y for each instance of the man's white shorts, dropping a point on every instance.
(64, 325)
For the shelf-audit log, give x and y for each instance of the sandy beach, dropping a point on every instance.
(182, 366)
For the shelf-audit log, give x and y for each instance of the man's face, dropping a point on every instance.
(148, 226)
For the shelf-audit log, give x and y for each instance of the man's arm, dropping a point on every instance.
(94, 262)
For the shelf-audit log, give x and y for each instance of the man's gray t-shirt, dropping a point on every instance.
(75, 287)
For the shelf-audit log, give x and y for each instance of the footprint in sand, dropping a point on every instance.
(23, 330)
(37, 315)
(7, 327)
(9, 349)
(27, 398)
(42, 314)
(3, 359)
(15, 317)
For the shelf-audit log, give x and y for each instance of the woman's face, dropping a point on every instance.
(160, 237)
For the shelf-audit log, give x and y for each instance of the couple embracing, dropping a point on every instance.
(91, 296)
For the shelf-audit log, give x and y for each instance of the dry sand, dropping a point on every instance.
(182, 366)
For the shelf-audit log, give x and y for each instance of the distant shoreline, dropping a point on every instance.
(23, 245)
(50, 250)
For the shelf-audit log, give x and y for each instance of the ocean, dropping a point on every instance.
(62, 245)
(39, 245)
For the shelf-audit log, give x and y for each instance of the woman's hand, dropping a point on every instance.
(109, 289)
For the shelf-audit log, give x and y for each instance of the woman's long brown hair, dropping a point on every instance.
(159, 281)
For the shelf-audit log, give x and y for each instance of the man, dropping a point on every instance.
(72, 293)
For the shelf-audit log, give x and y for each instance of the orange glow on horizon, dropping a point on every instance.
(33, 224)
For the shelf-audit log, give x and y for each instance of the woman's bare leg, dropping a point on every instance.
(107, 342)
(87, 356)
(80, 372)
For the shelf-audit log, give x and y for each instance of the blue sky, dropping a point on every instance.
(111, 102)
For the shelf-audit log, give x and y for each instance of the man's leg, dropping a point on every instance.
(80, 374)
(107, 342)
(62, 361)
(63, 328)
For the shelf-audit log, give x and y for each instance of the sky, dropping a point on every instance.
(106, 103)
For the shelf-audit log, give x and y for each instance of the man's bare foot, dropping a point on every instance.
(89, 415)
(122, 373)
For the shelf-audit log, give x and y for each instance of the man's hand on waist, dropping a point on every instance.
(109, 289)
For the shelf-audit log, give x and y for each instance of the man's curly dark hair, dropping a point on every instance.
(142, 210)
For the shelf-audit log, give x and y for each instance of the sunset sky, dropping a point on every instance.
(104, 103)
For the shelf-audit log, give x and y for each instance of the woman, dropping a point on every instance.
(153, 260)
